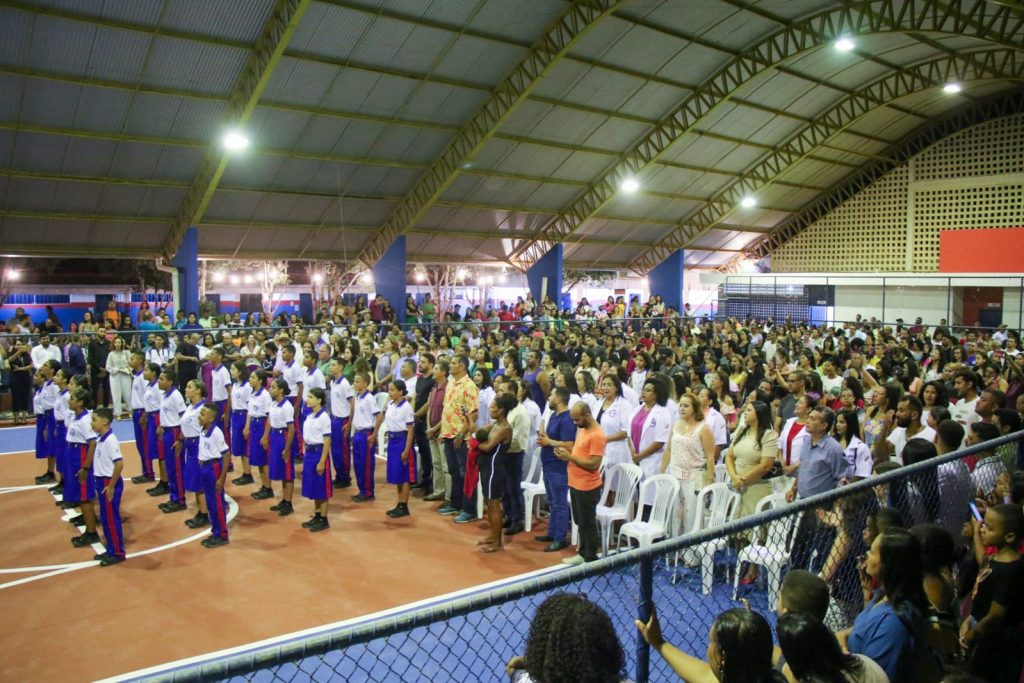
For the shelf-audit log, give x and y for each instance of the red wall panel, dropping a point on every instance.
(990, 250)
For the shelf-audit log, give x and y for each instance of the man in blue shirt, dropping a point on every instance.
(822, 468)
(560, 431)
(148, 325)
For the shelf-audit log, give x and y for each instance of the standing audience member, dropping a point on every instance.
(585, 482)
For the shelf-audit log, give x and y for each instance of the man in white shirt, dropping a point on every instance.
(43, 352)
(908, 426)
(965, 384)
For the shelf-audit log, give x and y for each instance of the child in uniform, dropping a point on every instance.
(61, 414)
(254, 431)
(277, 443)
(220, 388)
(137, 362)
(42, 447)
(240, 393)
(214, 458)
(49, 393)
(78, 489)
(341, 425)
(150, 421)
(364, 423)
(106, 466)
(397, 422)
(195, 393)
(172, 407)
(316, 464)
(293, 374)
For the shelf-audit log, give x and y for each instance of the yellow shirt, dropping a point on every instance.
(460, 401)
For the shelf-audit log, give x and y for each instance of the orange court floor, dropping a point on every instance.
(68, 619)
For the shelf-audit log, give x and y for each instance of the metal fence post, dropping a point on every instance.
(643, 650)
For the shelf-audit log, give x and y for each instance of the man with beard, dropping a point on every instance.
(908, 426)
(965, 383)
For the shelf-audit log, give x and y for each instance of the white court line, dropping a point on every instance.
(393, 611)
(15, 489)
(54, 570)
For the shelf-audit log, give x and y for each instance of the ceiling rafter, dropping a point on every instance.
(904, 81)
(577, 21)
(999, 25)
(962, 118)
(277, 32)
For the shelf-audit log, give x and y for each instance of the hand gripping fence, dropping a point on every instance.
(690, 579)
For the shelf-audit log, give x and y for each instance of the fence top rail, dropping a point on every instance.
(336, 637)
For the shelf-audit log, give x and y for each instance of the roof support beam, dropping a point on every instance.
(256, 73)
(578, 20)
(998, 25)
(933, 73)
(926, 135)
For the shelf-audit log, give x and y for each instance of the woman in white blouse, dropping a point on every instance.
(649, 429)
(613, 412)
(120, 377)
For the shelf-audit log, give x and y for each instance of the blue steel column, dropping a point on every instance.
(666, 280)
(389, 277)
(186, 260)
(549, 266)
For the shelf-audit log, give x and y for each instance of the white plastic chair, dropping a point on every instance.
(622, 480)
(773, 554)
(533, 488)
(717, 504)
(721, 473)
(664, 489)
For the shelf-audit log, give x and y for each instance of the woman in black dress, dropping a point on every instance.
(21, 380)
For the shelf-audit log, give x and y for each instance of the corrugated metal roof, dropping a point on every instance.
(239, 20)
(202, 67)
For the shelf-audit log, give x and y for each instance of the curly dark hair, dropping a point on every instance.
(572, 640)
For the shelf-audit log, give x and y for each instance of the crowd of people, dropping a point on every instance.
(455, 406)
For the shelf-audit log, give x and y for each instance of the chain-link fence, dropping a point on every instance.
(725, 561)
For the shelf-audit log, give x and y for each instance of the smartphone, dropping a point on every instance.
(974, 510)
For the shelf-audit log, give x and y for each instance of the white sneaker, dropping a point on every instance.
(574, 560)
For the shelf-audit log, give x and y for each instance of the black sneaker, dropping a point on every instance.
(46, 478)
(215, 542)
(111, 559)
(160, 489)
(514, 529)
(68, 505)
(263, 493)
(285, 509)
(308, 524)
(400, 511)
(320, 524)
(86, 539)
(344, 484)
(142, 479)
(173, 507)
(243, 480)
(57, 488)
(77, 520)
(199, 521)
(360, 498)
(276, 507)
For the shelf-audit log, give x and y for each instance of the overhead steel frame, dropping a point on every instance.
(507, 97)
(917, 141)
(984, 20)
(997, 63)
(256, 73)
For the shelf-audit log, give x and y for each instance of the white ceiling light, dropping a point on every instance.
(13, 274)
(629, 185)
(366, 278)
(234, 141)
(247, 279)
(318, 279)
(420, 276)
(235, 279)
(218, 277)
(845, 44)
(951, 88)
(748, 202)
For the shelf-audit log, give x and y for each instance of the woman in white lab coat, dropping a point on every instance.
(649, 428)
(613, 413)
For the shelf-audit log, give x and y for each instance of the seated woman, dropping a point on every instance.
(812, 654)
(739, 650)
(570, 639)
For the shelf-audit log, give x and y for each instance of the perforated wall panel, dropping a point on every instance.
(971, 180)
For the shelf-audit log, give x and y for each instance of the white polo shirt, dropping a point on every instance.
(211, 444)
(190, 427)
(366, 410)
(259, 403)
(314, 379)
(80, 428)
(316, 427)
(172, 407)
(294, 374)
(61, 409)
(108, 451)
(398, 416)
(151, 397)
(341, 394)
(138, 400)
(281, 414)
(221, 380)
(49, 392)
(241, 392)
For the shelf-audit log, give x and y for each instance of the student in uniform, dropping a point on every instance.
(214, 458)
(277, 443)
(316, 463)
(172, 407)
(398, 422)
(61, 414)
(137, 403)
(293, 374)
(195, 394)
(78, 489)
(220, 389)
(364, 421)
(255, 433)
(150, 422)
(42, 447)
(237, 433)
(311, 378)
(63, 405)
(342, 400)
(49, 398)
(106, 466)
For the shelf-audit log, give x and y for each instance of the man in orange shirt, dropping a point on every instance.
(112, 314)
(584, 465)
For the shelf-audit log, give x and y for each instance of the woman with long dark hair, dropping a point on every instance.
(750, 456)
(813, 655)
